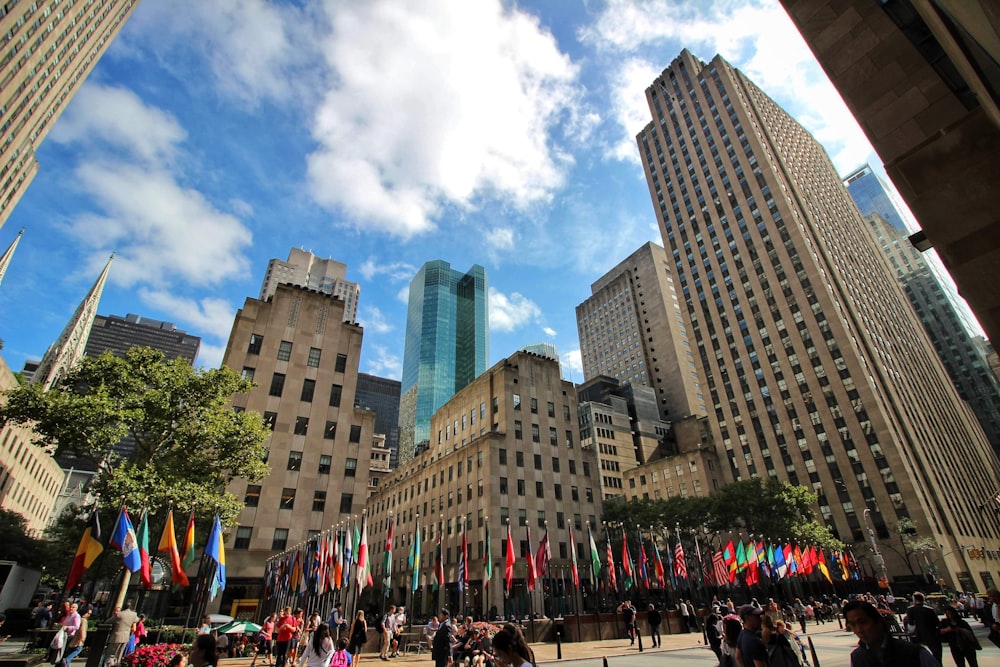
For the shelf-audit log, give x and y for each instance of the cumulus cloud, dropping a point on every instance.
(508, 313)
(500, 238)
(573, 362)
(384, 363)
(396, 271)
(372, 319)
(549, 331)
(484, 88)
(209, 315)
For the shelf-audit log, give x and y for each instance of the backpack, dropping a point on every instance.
(339, 659)
(780, 656)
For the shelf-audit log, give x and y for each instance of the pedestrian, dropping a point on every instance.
(121, 630)
(358, 636)
(714, 635)
(654, 620)
(75, 644)
(319, 651)
(731, 629)
(386, 631)
(877, 647)
(750, 649)
(41, 615)
(265, 641)
(286, 630)
(444, 640)
(628, 615)
(779, 647)
(923, 625)
(511, 649)
(693, 617)
(800, 613)
(203, 652)
(961, 639)
(341, 658)
(685, 616)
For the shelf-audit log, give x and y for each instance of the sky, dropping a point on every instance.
(214, 136)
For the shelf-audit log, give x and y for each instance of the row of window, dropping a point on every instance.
(285, 353)
(540, 490)
(287, 501)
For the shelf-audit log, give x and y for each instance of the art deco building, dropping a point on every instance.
(307, 270)
(922, 79)
(446, 347)
(630, 329)
(505, 447)
(304, 359)
(120, 334)
(815, 368)
(47, 49)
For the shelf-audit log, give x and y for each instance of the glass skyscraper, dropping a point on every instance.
(872, 196)
(447, 346)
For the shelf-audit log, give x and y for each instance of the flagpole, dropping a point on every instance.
(612, 577)
(126, 573)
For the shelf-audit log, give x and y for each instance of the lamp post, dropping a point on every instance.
(877, 557)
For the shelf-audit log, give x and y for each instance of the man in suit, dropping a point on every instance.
(444, 639)
(121, 630)
(926, 625)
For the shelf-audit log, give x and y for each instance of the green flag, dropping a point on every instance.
(741, 557)
(595, 557)
(487, 560)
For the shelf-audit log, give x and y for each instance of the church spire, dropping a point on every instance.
(8, 253)
(68, 350)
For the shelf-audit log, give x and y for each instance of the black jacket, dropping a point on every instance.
(441, 646)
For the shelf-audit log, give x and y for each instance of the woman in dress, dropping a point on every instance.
(359, 636)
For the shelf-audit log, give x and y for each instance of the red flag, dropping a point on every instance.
(721, 569)
(680, 565)
(532, 575)
(612, 577)
(88, 551)
(572, 551)
(661, 574)
(511, 559)
(543, 556)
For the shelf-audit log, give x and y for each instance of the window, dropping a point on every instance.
(256, 341)
(535, 436)
(301, 425)
(555, 464)
(572, 467)
(270, 419)
(284, 350)
(243, 534)
(287, 499)
(346, 503)
(280, 539)
(553, 438)
(330, 431)
(574, 494)
(569, 439)
(247, 373)
(538, 461)
(516, 401)
(541, 518)
(325, 461)
(503, 486)
(586, 469)
(590, 495)
(295, 460)
(539, 490)
(308, 388)
(319, 501)
(350, 467)
(252, 497)
(534, 406)
(519, 459)
(520, 487)
(522, 517)
(355, 433)
(335, 392)
(277, 384)
(517, 430)
(314, 356)
(552, 409)
(341, 364)
(557, 491)
(503, 457)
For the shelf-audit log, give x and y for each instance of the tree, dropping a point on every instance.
(189, 443)
(16, 544)
(911, 543)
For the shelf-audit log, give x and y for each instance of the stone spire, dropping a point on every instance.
(8, 253)
(68, 349)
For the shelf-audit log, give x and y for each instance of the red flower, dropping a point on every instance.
(153, 655)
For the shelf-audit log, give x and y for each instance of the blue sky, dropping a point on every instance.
(214, 136)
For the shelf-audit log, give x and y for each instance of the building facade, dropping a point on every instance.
(307, 270)
(872, 196)
(446, 347)
(304, 360)
(630, 329)
(505, 448)
(120, 334)
(816, 369)
(381, 395)
(46, 52)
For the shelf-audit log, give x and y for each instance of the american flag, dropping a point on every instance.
(721, 571)
(680, 567)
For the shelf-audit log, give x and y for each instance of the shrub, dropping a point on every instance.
(153, 655)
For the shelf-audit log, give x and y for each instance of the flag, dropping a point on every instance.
(438, 580)
(821, 564)
(704, 566)
(187, 552)
(543, 556)
(680, 565)
(487, 560)
(414, 560)
(661, 574)
(627, 563)
(511, 559)
(643, 562)
(216, 550)
(752, 572)
(721, 571)
(595, 557)
(348, 556)
(168, 544)
(142, 540)
(762, 559)
(463, 565)
(612, 576)
(364, 566)
(88, 551)
(123, 538)
(780, 566)
(997, 498)
(532, 574)
(387, 561)
(572, 553)
(797, 566)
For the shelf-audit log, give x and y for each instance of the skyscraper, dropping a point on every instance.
(446, 348)
(815, 368)
(120, 334)
(48, 49)
(382, 396)
(872, 196)
(307, 270)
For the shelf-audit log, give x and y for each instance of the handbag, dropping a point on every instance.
(967, 639)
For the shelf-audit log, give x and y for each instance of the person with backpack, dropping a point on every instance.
(750, 650)
(341, 658)
(779, 649)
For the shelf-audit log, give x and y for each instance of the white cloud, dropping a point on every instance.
(396, 271)
(549, 331)
(385, 364)
(160, 230)
(483, 86)
(208, 315)
(756, 36)
(116, 116)
(572, 361)
(500, 238)
(372, 319)
(210, 356)
(403, 294)
(508, 313)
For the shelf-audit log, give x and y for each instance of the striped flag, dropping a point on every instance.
(661, 574)
(414, 560)
(572, 552)
(680, 565)
(88, 551)
(627, 563)
(387, 561)
(532, 574)
(510, 560)
(187, 549)
(463, 564)
(364, 566)
(612, 577)
(721, 570)
(543, 556)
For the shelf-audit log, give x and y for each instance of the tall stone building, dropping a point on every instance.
(304, 359)
(815, 368)
(630, 329)
(446, 346)
(921, 79)
(47, 49)
(307, 270)
(120, 334)
(505, 447)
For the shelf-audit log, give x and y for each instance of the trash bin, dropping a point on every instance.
(97, 641)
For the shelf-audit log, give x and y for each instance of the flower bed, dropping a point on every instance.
(153, 655)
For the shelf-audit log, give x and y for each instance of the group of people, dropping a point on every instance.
(507, 648)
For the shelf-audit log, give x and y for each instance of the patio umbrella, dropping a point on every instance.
(239, 627)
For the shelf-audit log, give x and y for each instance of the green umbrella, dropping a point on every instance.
(239, 627)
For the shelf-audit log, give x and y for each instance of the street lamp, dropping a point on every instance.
(877, 555)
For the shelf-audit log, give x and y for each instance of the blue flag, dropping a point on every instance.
(123, 538)
(216, 550)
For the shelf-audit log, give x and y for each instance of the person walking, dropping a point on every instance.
(628, 615)
(750, 649)
(286, 630)
(121, 631)
(76, 642)
(876, 647)
(358, 636)
(319, 651)
(961, 639)
(444, 639)
(925, 625)
(654, 619)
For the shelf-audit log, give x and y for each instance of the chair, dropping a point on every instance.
(416, 645)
